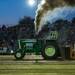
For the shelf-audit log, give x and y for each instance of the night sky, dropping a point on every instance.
(11, 11)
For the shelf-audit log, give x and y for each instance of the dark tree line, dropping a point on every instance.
(25, 29)
(64, 27)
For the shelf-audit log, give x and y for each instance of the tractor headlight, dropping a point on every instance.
(12, 51)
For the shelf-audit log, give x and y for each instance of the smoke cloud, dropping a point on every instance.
(52, 10)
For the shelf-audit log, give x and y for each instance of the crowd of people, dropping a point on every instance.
(7, 38)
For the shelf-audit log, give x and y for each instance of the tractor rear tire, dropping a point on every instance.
(50, 51)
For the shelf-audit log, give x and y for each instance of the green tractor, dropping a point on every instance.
(47, 46)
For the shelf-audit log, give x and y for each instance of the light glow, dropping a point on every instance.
(43, 2)
(31, 2)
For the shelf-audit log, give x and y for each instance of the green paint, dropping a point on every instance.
(50, 51)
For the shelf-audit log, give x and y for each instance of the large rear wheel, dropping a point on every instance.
(50, 51)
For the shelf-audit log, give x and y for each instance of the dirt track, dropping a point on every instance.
(31, 59)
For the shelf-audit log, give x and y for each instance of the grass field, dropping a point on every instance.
(37, 69)
(9, 66)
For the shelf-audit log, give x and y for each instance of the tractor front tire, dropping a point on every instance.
(19, 55)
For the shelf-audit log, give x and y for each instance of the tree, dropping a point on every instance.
(26, 27)
(73, 21)
(61, 23)
(4, 32)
